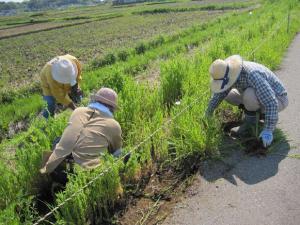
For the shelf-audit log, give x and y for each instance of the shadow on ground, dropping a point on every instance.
(235, 163)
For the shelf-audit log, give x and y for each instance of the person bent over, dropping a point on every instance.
(60, 79)
(251, 86)
(91, 131)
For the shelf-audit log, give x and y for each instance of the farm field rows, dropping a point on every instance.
(144, 108)
(28, 53)
(88, 12)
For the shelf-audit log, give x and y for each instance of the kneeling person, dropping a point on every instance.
(90, 132)
(252, 86)
(60, 79)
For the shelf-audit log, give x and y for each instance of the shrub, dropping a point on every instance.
(157, 42)
(123, 55)
(140, 48)
(108, 59)
(115, 81)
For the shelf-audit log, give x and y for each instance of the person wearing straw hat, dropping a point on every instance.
(254, 88)
(91, 131)
(60, 79)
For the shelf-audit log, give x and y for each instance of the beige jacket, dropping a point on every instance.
(89, 134)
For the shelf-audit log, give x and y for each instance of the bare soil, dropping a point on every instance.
(154, 203)
(28, 28)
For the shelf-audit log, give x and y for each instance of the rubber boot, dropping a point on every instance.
(248, 126)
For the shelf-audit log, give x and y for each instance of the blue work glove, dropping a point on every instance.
(117, 153)
(267, 137)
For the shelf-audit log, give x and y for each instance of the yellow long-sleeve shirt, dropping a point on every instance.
(53, 88)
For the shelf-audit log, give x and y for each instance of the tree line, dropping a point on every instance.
(34, 5)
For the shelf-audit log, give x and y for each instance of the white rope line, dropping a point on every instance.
(144, 141)
(266, 39)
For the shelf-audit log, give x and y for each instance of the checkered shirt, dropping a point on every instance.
(266, 85)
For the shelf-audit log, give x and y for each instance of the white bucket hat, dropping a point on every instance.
(224, 73)
(64, 71)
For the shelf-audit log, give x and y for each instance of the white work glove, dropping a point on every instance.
(43, 170)
(267, 137)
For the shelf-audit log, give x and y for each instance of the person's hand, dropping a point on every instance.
(117, 153)
(76, 94)
(43, 170)
(267, 137)
(72, 106)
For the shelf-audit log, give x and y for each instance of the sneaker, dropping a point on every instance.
(245, 130)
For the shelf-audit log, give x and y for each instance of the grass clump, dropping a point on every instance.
(123, 55)
(140, 48)
(172, 75)
(101, 61)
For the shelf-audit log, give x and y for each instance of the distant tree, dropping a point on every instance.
(8, 5)
(44, 4)
(33, 5)
(37, 4)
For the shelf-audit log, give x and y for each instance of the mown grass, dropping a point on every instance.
(143, 110)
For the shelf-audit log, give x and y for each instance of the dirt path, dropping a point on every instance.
(249, 190)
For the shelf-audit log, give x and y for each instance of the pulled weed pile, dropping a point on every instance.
(143, 110)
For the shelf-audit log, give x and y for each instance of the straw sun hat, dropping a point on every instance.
(106, 96)
(64, 71)
(224, 73)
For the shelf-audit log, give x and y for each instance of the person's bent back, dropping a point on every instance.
(90, 132)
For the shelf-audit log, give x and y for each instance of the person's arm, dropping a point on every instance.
(267, 98)
(215, 101)
(117, 153)
(65, 145)
(59, 93)
(72, 106)
(76, 94)
(57, 156)
(115, 145)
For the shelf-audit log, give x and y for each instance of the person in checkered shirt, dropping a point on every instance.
(252, 87)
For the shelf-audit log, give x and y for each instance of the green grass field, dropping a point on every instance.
(97, 31)
(181, 60)
(23, 57)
